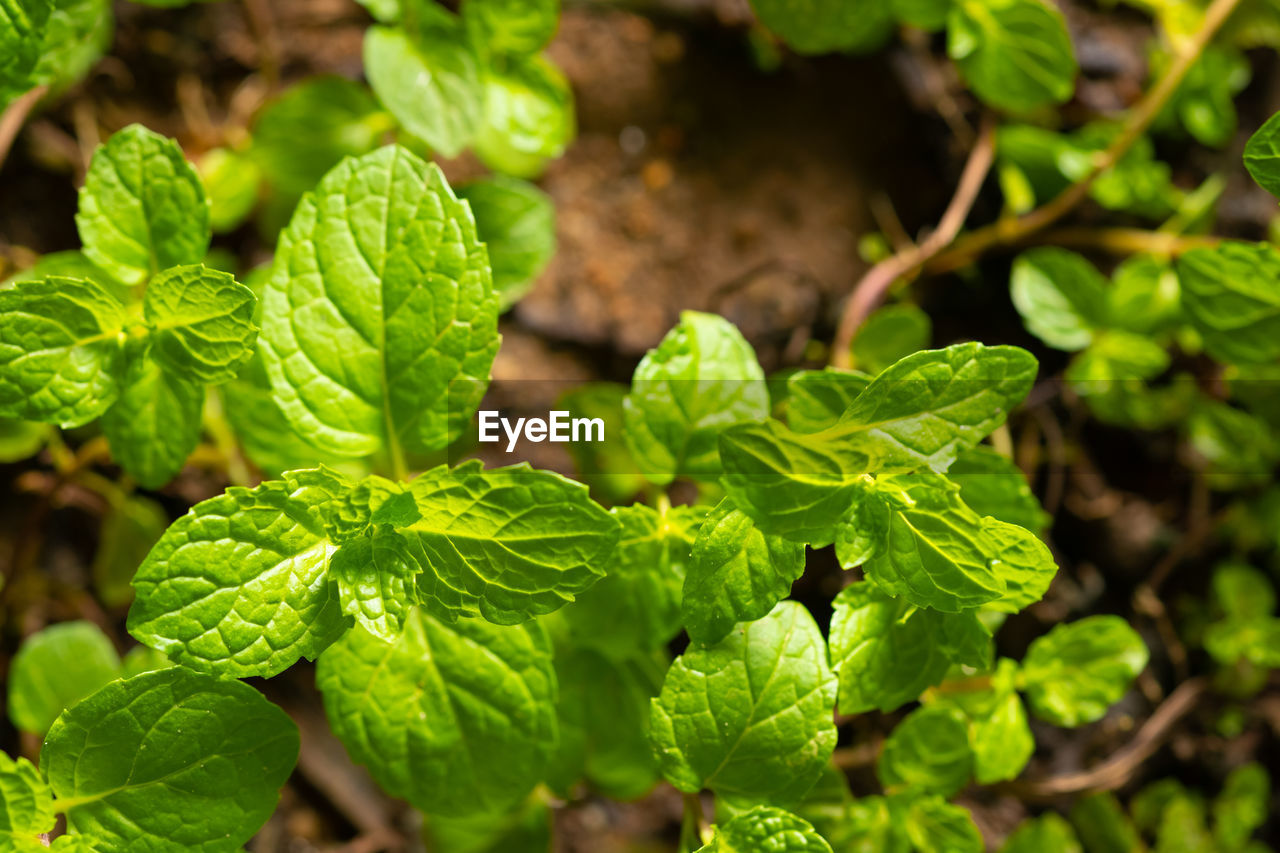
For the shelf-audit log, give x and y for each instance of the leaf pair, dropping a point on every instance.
(166, 761)
(475, 79)
(250, 581)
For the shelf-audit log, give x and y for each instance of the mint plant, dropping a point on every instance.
(841, 544)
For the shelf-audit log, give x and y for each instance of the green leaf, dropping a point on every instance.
(923, 411)
(1016, 55)
(26, 804)
(1242, 807)
(237, 586)
(201, 323)
(386, 11)
(1262, 155)
(429, 80)
(1242, 592)
(607, 467)
(702, 378)
(528, 115)
(1239, 447)
(603, 710)
(527, 829)
(1230, 297)
(751, 715)
(1145, 295)
(999, 733)
(311, 127)
(936, 826)
(20, 439)
(142, 207)
(60, 351)
(991, 484)
(457, 719)
(129, 530)
(511, 26)
(76, 35)
(928, 752)
(827, 26)
(1049, 833)
(889, 335)
(507, 544)
(737, 574)
(517, 222)
(1254, 640)
(928, 15)
(635, 607)
(1103, 826)
(939, 553)
(817, 398)
(55, 669)
(1205, 102)
(169, 762)
(232, 179)
(1079, 669)
(1061, 296)
(930, 406)
(766, 828)
(155, 423)
(375, 578)
(70, 264)
(22, 28)
(886, 651)
(1182, 828)
(380, 322)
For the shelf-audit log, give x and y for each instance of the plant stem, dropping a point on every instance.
(215, 423)
(1116, 241)
(1140, 118)
(871, 290)
(15, 115)
(942, 251)
(691, 826)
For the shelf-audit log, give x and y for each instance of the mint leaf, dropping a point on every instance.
(22, 27)
(155, 423)
(826, 26)
(1230, 297)
(232, 180)
(817, 398)
(930, 406)
(76, 35)
(1262, 155)
(379, 322)
(751, 715)
(886, 651)
(992, 485)
(60, 350)
(1049, 833)
(939, 553)
(928, 752)
(237, 585)
(528, 115)
(201, 323)
(55, 669)
(603, 711)
(26, 803)
(457, 719)
(511, 26)
(20, 439)
(999, 733)
(1144, 296)
(1103, 825)
(1242, 592)
(1242, 806)
(129, 530)
(890, 334)
(517, 222)
(507, 544)
(71, 264)
(766, 828)
(737, 574)
(928, 15)
(374, 576)
(1075, 672)
(170, 761)
(936, 826)
(142, 208)
(311, 127)
(702, 378)
(428, 79)
(635, 607)
(1061, 296)
(1016, 55)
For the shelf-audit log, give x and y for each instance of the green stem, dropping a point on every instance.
(691, 826)
(215, 423)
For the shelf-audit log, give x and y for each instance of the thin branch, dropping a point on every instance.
(876, 283)
(1120, 767)
(15, 116)
(1116, 241)
(1009, 231)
